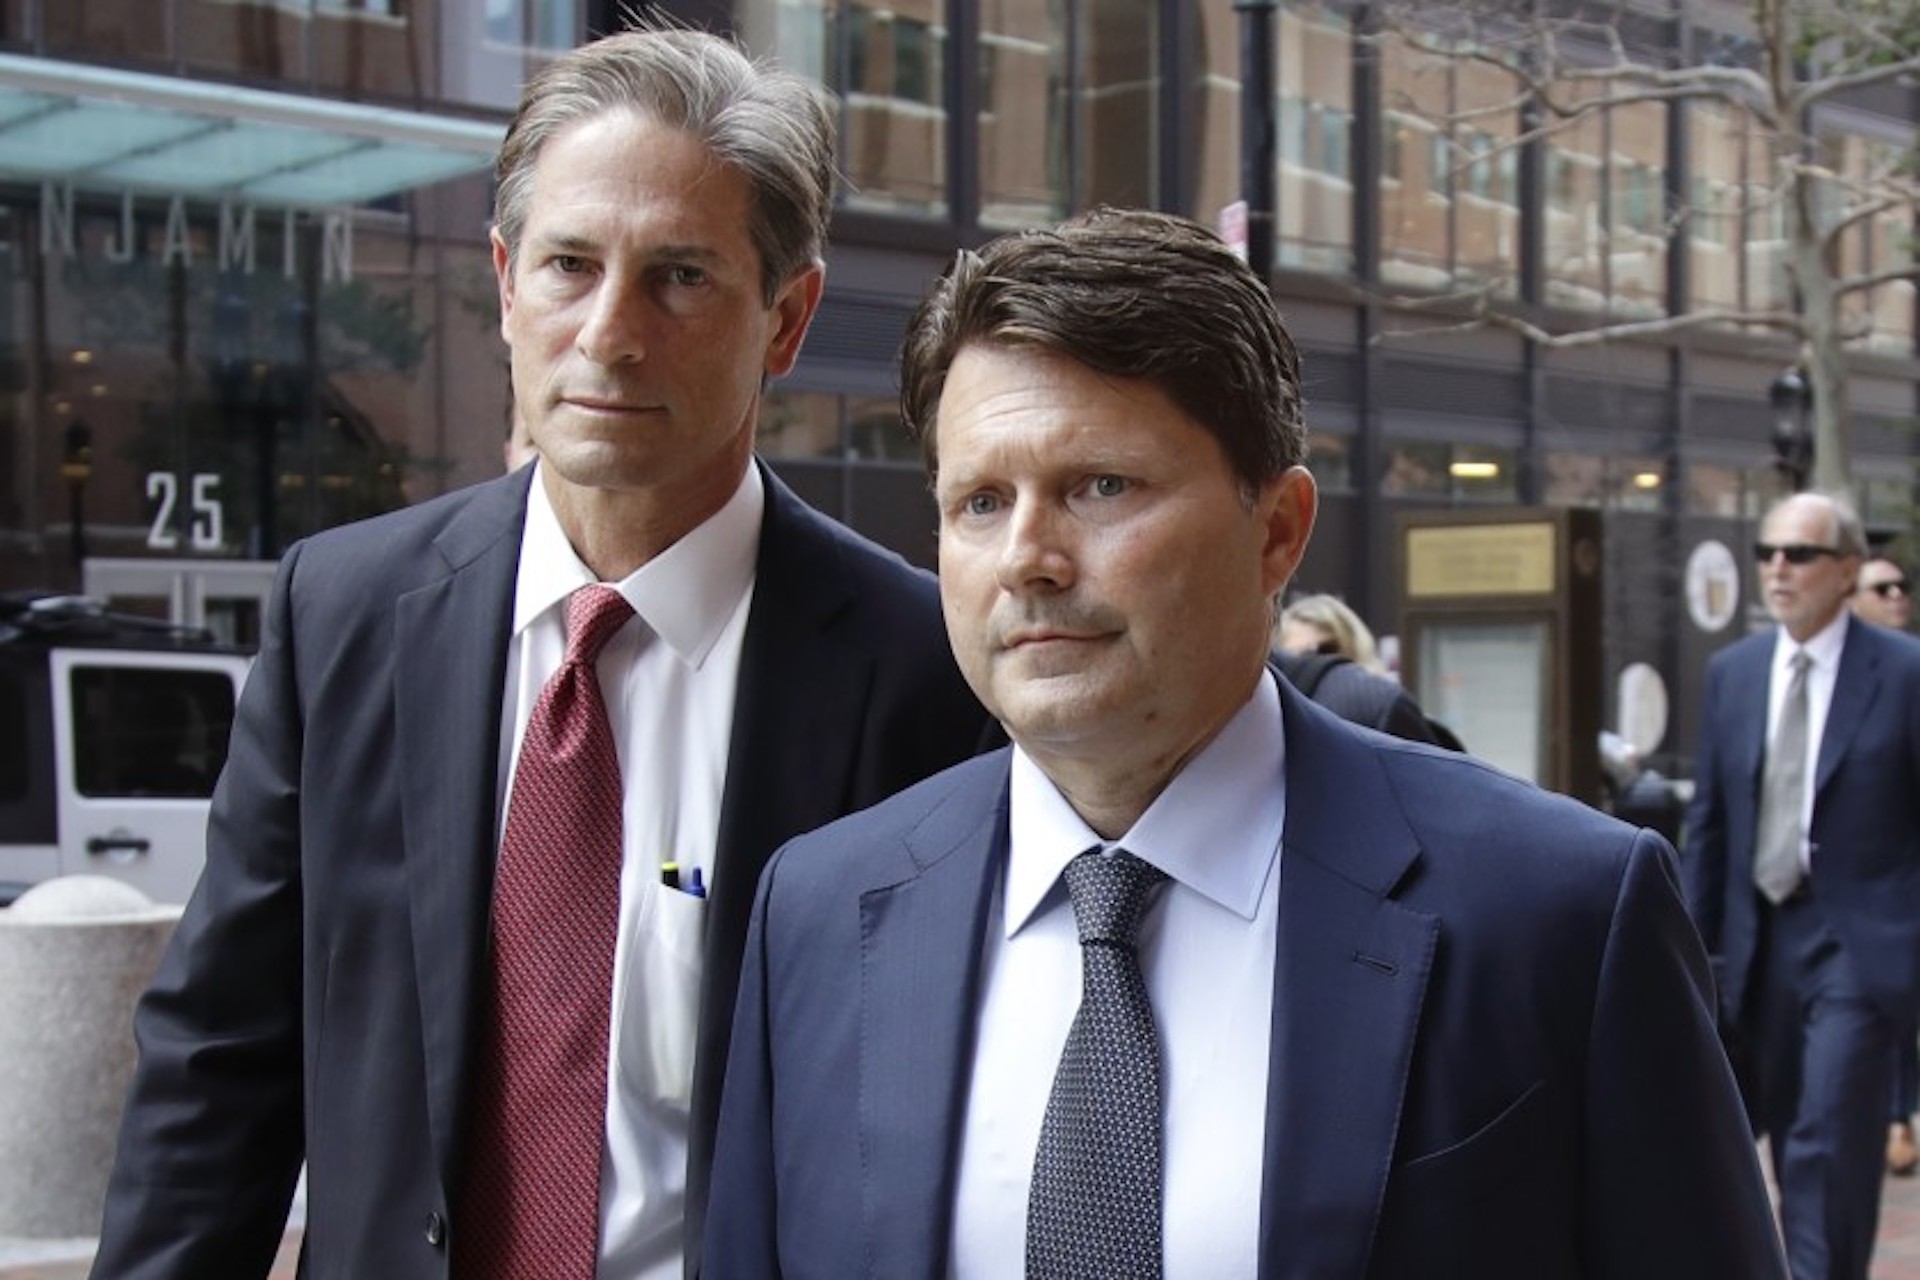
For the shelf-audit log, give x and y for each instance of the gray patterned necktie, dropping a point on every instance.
(1783, 791)
(1093, 1212)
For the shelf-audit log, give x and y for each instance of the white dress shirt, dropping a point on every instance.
(1824, 648)
(668, 677)
(1206, 952)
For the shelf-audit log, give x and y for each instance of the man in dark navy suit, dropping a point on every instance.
(1367, 1008)
(1802, 867)
(660, 223)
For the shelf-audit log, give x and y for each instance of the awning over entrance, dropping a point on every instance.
(105, 129)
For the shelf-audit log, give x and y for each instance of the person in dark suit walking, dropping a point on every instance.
(347, 974)
(1196, 979)
(1802, 869)
(1883, 594)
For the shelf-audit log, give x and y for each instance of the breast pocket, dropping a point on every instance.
(660, 993)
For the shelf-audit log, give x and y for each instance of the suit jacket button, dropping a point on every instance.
(436, 1230)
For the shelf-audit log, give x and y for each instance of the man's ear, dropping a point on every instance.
(503, 277)
(793, 309)
(1286, 506)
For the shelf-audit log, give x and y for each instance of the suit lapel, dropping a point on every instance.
(450, 643)
(797, 671)
(1855, 687)
(1351, 973)
(921, 936)
(1755, 671)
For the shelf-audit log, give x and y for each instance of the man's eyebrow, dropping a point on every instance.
(691, 251)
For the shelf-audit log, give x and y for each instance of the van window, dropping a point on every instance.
(27, 811)
(150, 732)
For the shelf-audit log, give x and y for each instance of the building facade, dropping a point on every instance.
(245, 292)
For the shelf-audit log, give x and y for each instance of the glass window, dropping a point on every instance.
(1606, 222)
(534, 24)
(1330, 458)
(1453, 220)
(16, 738)
(1069, 108)
(1456, 473)
(799, 424)
(1313, 227)
(1736, 221)
(814, 424)
(1572, 479)
(143, 732)
(1729, 490)
(192, 407)
(1888, 500)
(28, 812)
(253, 39)
(885, 66)
(1213, 139)
(1866, 172)
(1637, 239)
(102, 30)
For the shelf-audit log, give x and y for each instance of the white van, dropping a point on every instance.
(113, 730)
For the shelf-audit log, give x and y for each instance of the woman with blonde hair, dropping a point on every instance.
(1324, 624)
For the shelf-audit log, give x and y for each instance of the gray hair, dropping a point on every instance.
(1849, 532)
(770, 126)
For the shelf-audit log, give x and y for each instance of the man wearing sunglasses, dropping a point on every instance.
(1882, 595)
(1802, 868)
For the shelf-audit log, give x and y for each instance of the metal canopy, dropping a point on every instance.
(105, 129)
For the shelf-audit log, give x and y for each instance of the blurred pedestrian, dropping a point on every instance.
(1324, 649)
(1881, 595)
(1803, 872)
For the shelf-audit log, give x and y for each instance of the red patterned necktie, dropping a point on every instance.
(531, 1203)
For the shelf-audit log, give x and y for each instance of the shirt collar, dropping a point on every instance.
(1229, 799)
(685, 594)
(1823, 646)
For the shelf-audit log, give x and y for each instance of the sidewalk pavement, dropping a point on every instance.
(1896, 1257)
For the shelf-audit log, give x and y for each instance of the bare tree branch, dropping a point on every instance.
(1848, 285)
(1600, 335)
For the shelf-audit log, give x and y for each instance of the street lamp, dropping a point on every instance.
(1792, 399)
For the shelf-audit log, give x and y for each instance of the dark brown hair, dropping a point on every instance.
(1131, 294)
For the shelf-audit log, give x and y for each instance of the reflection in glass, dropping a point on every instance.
(1069, 108)
(817, 424)
(1330, 458)
(1453, 473)
(1606, 222)
(884, 64)
(1865, 171)
(1314, 193)
(1487, 682)
(1449, 198)
(534, 24)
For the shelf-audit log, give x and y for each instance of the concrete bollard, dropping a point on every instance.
(76, 953)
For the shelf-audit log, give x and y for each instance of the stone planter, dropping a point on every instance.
(75, 955)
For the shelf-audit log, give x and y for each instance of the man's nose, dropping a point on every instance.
(610, 333)
(1035, 550)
